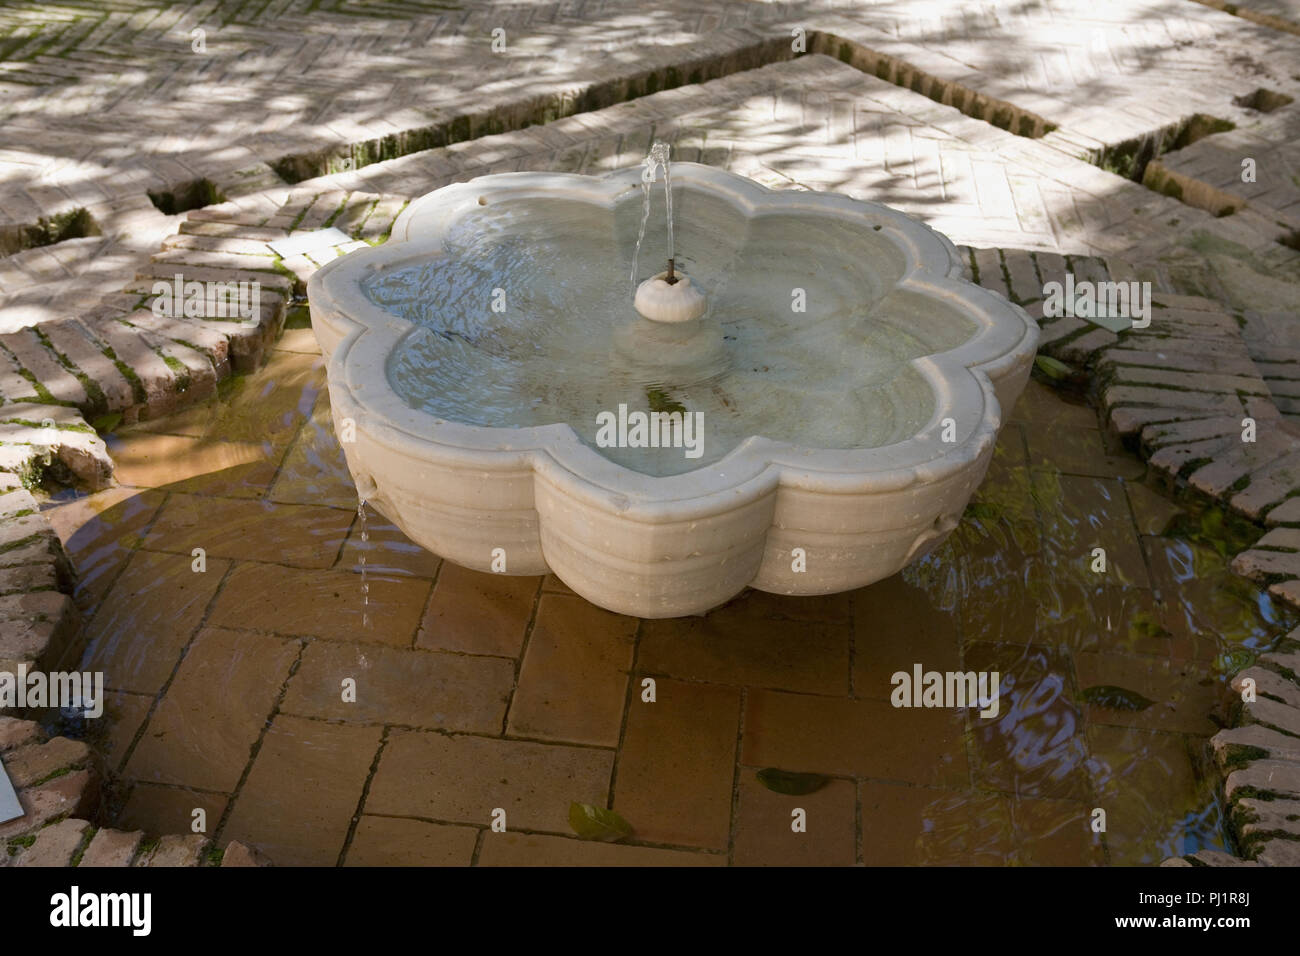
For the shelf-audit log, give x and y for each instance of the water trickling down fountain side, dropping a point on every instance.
(662, 545)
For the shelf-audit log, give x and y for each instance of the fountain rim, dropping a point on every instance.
(357, 337)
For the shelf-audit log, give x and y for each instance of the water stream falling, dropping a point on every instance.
(365, 584)
(657, 159)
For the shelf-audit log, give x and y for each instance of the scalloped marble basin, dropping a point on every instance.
(819, 427)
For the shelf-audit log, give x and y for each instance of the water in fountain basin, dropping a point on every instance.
(835, 375)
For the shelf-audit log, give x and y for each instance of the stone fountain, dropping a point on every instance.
(802, 401)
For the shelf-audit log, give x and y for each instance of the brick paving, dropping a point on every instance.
(218, 437)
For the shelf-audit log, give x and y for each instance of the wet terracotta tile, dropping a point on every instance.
(764, 825)
(551, 583)
(1209, 609)
(113, 734)
(1005, 492)
(314, 469)
(328, 765)
(395, 841)
(1035, 745)
(298, 340)
(200, 465)
(573, 680)
(99, 533)
(1151, 510)
(997, 559)
(733, 648)
(1079, 451)
(387, 551)
(321, 604)
(196, 738)
(267, 405)
(918, 826)
(896, 625)
(1040, 404)
(148, 617)
(398, 686)
(462, 779)
(1152, 794)
(1123, 620)
(304, 536)
(534, 849)
(861, 738)
(1081, 514)
(1182, 693)
(1055, 833)
(478, 613)
(159, 810)
(677, 764)
(753, 605)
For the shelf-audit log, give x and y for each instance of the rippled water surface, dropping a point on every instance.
(563, 343)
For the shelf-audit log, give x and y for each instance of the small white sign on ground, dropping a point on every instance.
(10, 808)
(305, 243)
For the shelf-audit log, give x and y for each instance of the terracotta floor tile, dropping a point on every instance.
(399, 686)
(462, 779)
(478, 613)
(1035, 745)
(160, 811)
(722, 648)
(396, 841)
(865, 738)
(314, 471)
(764, 833)
(267, 405)
(113, 733)
(898, 624)
(1157, 803)
(573, 680)
(200, 465)
(99, 532)
(1151, 510)
(1081, 514)
(1055, 833)
(387, 551)
(148, 617)
(534, 849)
(195, 737)
(677, 763)
(911, 826)
(1101, 617)
(321, 604)
(1079, 451)
(328, 764)
(1183, 693)
(304, 536)
(1040, 404)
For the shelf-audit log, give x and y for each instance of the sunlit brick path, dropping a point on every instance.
(116, 115)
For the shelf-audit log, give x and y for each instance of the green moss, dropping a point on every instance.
(660, 401)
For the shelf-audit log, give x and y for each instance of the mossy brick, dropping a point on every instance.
(28, 577)
(15, 732)
(209, 338)
(1254, 738)
(1219, 476)
(1131, 419)
(182, 260)
(131, 349)
(80, 347)
(39, 762)
(175, 850)
(1272, 714)
(1203, 361)
(1081, 350)
(1269, 683)
(1278, 777)
(234, 244)
(72, 794)
(1190, 381)
(1025, 286)
(234, 230)
(40, 362)
(1121, 394)
(13, 385)
(1280, 852)
(55, 845)
(1269, 485)
(44, 629)
(271, 283)
(1180, 433)
(111, 848)
(1172, 458)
